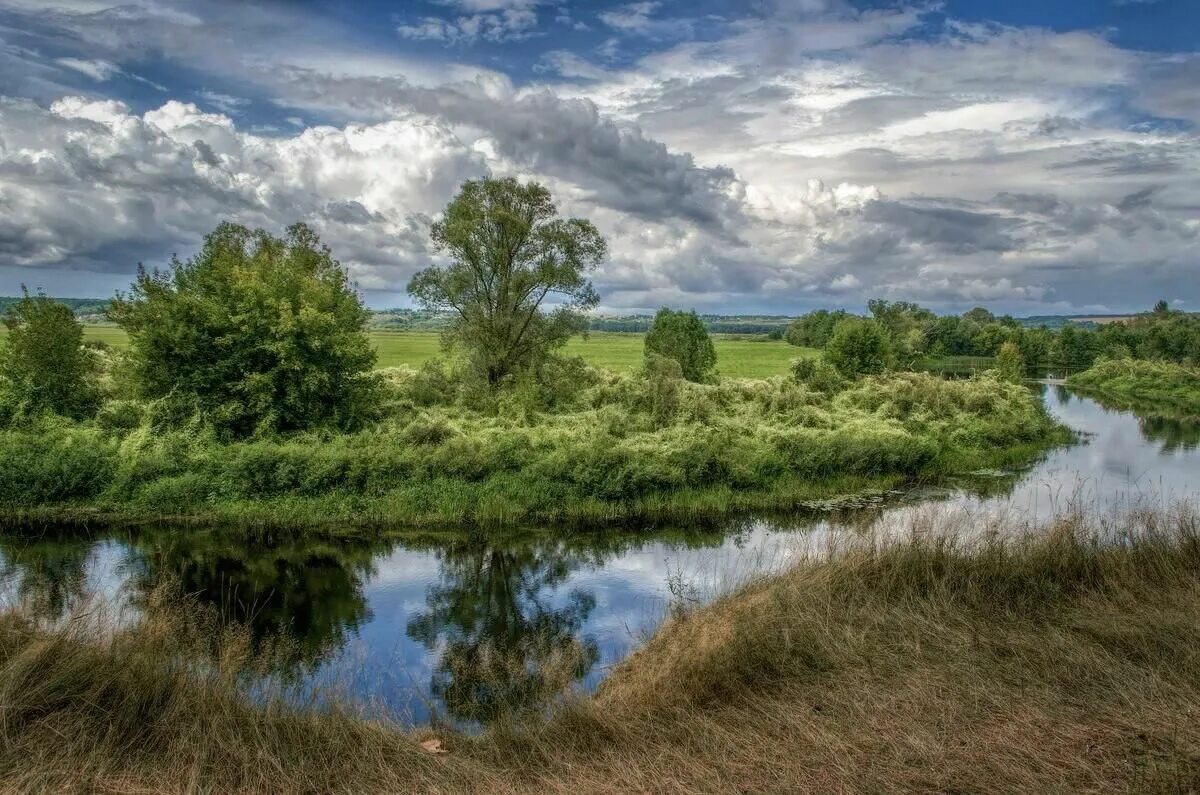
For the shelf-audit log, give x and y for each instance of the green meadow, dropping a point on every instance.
(738, 356)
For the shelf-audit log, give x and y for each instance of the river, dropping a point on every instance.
(404, 627)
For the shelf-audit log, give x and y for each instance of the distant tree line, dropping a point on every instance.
(907, 335)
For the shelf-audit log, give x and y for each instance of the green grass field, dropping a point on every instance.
(737, 356)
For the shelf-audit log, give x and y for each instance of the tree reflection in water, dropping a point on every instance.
(45, 576)
(308, 593)
(507, 645)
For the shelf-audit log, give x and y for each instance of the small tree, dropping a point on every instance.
(257, 333)
(44, 365)
(681, 336)
(1009, 362)
(510, 252)
(858, 347)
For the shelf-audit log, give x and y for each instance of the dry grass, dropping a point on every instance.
(1063, 662)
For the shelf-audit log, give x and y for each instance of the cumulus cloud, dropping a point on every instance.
(172, 173)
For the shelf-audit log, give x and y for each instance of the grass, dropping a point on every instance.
(738, 356)
(622, 447)
(1146, 384)
(1058, 661)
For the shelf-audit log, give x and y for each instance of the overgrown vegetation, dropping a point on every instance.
(1057, 661)
(1162, 385)
(584, 445)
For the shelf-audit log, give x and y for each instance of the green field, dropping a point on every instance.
(737, 356)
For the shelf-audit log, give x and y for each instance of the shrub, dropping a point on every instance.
(1009, 363)
(257, 333)
(681, 336)
(858, 347)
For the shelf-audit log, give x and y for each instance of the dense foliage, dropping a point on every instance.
(44, 366)
(917, 337)
(1162, 385)
(681, 336)
(255, 334)
(858, 347)
(510, 252)
(814, 329)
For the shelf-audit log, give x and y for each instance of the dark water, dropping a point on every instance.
(460, 628)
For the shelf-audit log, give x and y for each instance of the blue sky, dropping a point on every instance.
(765, 156)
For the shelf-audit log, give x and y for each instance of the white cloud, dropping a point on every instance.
(96, 68)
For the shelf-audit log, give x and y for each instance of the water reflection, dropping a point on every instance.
(507, 639)
(46, 576)
(471, 627)
(311, 593)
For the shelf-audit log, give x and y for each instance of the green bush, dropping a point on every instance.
(256, 334)
(681, 336)
(858, 347)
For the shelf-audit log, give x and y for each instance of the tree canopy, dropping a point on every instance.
(510, 253)
(681, 336)
(44, 366)
(858, 347)
(256, 333)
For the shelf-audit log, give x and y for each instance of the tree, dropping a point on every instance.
(510, 252)
(814, 329)
(858, 347)
(44, 364)
(1009, 362)
(681, 336)
(256, 333)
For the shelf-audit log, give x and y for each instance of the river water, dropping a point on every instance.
(406, 626)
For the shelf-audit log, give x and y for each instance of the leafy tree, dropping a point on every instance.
(44, 366)
(256, 333)
(681, 336)
(1009, 362)
(814, 329)
(858, 347)
(510, 252)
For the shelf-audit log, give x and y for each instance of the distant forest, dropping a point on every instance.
(91, 310)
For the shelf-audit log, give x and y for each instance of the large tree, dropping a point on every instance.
(44, 366)
(256, 333)
(509, 253)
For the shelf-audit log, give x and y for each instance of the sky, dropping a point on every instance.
(752, 156)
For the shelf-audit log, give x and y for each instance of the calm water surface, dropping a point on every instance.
(406, 625)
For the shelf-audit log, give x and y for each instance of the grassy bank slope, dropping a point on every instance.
(737, 356)
(623, 447)
(1056, 663)
(1152, 385)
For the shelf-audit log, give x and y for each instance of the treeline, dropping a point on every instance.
(911, 336)
(774, 326)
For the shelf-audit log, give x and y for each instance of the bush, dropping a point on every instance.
(817, 374)
(681, 336)
(858, 347)
(258, 333)
(44, 366)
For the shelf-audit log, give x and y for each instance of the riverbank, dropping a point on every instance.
(1148, 385)
(621, 448)
(1057, 661)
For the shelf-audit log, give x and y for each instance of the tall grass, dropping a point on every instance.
(1058, 661)
(1148, 384)
(620, 448)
